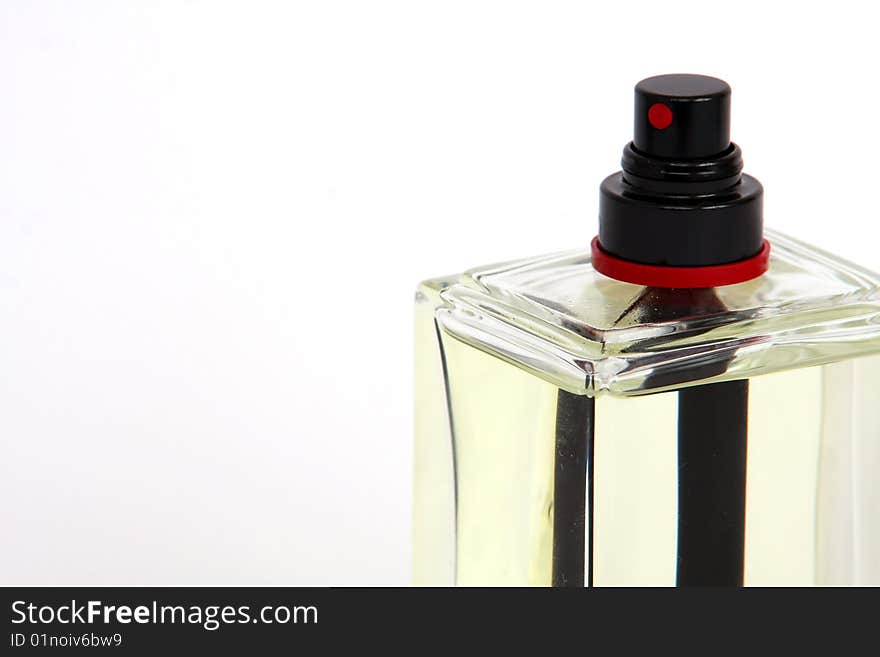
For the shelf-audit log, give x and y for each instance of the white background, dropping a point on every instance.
(213, 216)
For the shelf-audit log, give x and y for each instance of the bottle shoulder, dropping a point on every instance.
(557, 317)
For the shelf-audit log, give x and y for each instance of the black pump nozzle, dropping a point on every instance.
(681, 199)
(682, 117)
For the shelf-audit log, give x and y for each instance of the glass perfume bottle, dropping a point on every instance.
(690, 401)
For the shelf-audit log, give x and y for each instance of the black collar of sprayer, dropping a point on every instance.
(678, 204)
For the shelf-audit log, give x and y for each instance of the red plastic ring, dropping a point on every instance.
(680, 277)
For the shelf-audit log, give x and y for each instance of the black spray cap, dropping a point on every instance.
(681, 199)
(682, 116)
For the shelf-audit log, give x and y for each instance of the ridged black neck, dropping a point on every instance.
(679, 176)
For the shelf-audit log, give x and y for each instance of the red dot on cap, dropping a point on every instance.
(660, 116)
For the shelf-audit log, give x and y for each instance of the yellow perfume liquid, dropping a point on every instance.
(811, 448)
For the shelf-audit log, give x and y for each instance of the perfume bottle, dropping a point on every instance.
(687, 401)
